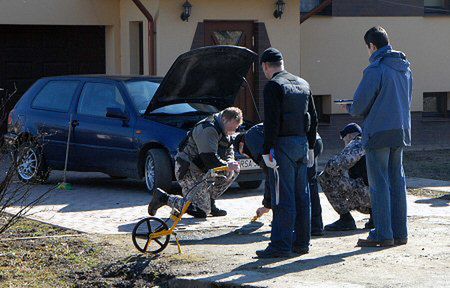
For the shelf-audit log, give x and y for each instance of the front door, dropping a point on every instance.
(238, 33)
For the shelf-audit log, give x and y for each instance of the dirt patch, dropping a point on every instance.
(433, 164)
(33, 254)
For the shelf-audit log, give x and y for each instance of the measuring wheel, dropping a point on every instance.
(142, 235)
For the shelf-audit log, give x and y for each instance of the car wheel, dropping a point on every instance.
(30, 165)
(158, 170)
(250, 184)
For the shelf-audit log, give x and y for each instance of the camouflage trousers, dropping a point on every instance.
(345, 194)
(199, 190)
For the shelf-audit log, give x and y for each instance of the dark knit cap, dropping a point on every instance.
(350, 128)
(271, 55)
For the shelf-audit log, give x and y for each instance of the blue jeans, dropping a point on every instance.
(387, 193)
(291, 224)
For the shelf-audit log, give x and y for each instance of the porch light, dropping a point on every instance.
(279, 10)
(186, 11)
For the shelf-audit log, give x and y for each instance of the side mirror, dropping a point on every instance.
(116, 113)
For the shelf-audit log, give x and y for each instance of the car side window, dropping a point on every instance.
(56, 96)
(97, 97)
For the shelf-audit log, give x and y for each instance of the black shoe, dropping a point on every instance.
(216, 212)
(372, 243)
(159, 199)
(270, 253)
(398, 242)
(196, 212)
(369, 224)
(317, 233)
(345, 223)
(300, 250)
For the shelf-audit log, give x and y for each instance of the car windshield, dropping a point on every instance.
(142, 92)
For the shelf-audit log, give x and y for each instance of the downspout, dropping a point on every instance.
(316, 10)
(151, 37)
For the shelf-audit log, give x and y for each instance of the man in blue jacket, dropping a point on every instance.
(383, 98)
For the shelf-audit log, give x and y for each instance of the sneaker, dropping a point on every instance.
(341, 225)
(216, 212)
(300, 250)
(270, 253)
(373, 243)
(159, 199)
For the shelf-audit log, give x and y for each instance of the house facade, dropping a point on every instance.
(333, 56)
(58, 37)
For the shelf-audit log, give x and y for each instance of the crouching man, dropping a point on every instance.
(208, 145)
(344, 181)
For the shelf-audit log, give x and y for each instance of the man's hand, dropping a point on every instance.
(310, 158)
(261, 211)
(269, 161)
(234, 166)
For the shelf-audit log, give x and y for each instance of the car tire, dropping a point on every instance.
(250, 184)
(157, 170)
(30, 165)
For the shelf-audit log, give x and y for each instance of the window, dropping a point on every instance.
(435, 104)
(307, 6)
(97, 97)
(437, 6)
(141, 93)
(136, 48)
(56, 96)
(323, 108)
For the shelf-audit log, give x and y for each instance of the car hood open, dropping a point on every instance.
(209, 75)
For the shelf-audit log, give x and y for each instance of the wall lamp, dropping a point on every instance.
(186, 11)
(279, 9)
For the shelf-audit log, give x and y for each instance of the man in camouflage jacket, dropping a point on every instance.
(208, 145)
(344, 181)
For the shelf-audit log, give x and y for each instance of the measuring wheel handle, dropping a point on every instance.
(143, 235)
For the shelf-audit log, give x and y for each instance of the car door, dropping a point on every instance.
(49, 115)
(102, 143)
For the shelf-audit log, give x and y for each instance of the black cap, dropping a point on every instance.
(271, 55)
(350, 128)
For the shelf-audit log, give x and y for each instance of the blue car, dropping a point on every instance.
(126, 126)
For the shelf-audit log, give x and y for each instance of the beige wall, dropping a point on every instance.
(174, 36)
(69, 12)
(333, 53)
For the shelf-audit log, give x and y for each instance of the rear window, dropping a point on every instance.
(56, 96)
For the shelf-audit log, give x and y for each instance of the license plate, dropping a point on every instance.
(248, 164)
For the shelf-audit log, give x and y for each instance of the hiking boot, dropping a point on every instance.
(398, 242)
(216, 212)
(159, 199)
(271, 253)
(300, 250)
(196, 212)
(345, 223)
(373, 243)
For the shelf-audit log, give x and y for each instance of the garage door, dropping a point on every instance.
(28, 53)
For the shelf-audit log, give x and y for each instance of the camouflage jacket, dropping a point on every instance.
(347, 158)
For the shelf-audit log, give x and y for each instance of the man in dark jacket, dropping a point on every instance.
(251, 144)
(383, 98)
(344, 181)
(207, 146)
(288, 150)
